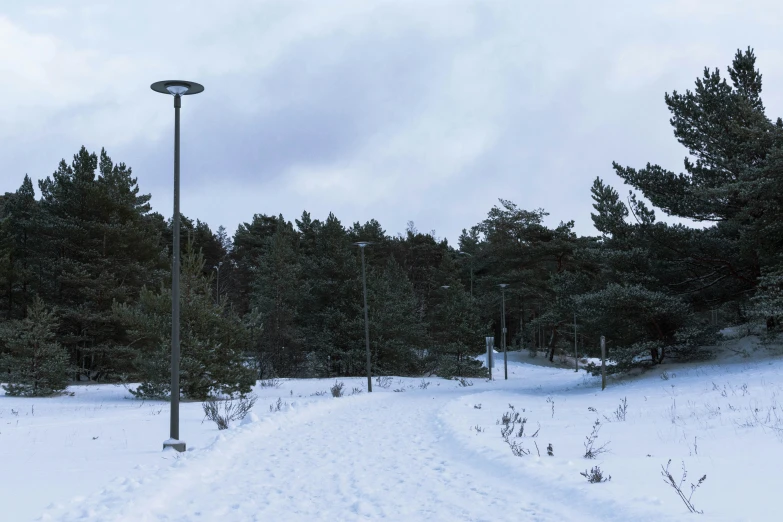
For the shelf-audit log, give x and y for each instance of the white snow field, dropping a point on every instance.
(410, 455)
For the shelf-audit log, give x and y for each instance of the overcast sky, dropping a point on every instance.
(420, 110)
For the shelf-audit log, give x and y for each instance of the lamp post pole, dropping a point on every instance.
(217, 288)
(177, 89)
(361, 245)
(576, 350)
(503, 328)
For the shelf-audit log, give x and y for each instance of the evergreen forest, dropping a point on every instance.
(85, 272)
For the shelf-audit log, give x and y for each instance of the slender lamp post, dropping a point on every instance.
(576, 349)
(361, 245)
(471, 270)
(217, 289)
(178, 89)
(503, 327)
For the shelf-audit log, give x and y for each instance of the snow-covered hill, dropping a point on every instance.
(413, 451)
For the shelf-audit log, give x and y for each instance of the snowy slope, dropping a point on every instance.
(417, 454)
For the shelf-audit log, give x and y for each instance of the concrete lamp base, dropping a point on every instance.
(178, 445)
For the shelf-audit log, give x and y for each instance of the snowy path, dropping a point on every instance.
(370, 457)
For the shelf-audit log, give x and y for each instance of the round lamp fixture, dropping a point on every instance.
(177, 87)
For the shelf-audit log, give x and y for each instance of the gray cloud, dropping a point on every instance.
(395, 110)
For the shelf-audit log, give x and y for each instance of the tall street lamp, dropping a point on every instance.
(178, 89)
(361, 245)
(503, 327)
(471, 270)
(217, 288)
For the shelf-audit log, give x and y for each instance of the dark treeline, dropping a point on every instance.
(85, 272)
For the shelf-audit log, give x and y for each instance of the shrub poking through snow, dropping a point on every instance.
(274, 382)
(550, 451)
(477, 406)
(509, 421)
(337, 389)
(595, 475)
(223, 413)
(278, 406)
(667, 477)
(551, 401)
(464, 382)
(423, 384)
(383, 381)
(621, 410)
(591, 450)
(356, 391)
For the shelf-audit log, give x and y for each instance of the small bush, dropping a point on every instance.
(356, 391)
(274, 382)
(477, 406)
(278, 406)
(398, 390)
(667, 478)
(550, 451)
(337, 389)
(591, 450)
(464, 382)
(424, 384)
(595, 475)
(621, 410)
(383, 381)
(223, 413)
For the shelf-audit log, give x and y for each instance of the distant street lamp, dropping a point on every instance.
(471, 270)
(503, 328)
(361, 245)
(178, 89)
(217, 287)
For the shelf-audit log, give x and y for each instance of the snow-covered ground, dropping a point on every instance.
(411, 451)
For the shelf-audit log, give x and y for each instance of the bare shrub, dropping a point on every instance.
(318, 394)
(551, 401)
(224, 412)
(383, 381)
(621, 410)
(278, 406)
(591, 450)
(398, 390)
(337, 389)
(356, 391)
(424, 384)
(273, 382)
(478, 428)
(550, 451)
(509, 421)
(595, 475)
(477, 406)
(667, 478)
(464, 382)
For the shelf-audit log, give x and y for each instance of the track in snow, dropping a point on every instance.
(371, 457)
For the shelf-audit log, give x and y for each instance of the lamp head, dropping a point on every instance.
(177, 87)
(502, 285)
(362, 244)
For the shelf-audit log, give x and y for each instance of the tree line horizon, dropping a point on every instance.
(85, 272)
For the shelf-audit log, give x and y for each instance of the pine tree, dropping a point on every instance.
(100, 246)
(398, 334)
(212, 339)
(277, 290)
(37, 365)
(20, 246)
